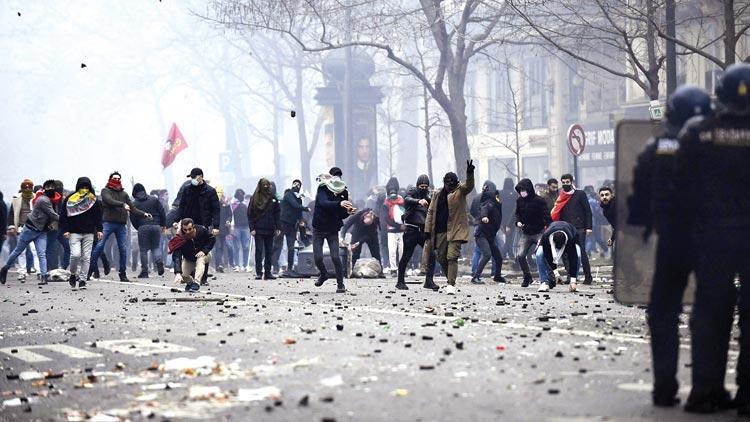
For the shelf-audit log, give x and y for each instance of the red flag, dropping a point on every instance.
(174, 145)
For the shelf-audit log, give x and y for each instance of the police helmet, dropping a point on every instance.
(733, 89)
(686, 102)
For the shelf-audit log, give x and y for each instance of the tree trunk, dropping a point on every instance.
(457, 117)
(427, 137)
(653, 66)
(730, 35)
(304, 156)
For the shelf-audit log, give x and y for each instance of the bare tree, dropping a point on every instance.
(458, 31)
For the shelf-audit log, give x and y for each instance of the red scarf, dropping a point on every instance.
(55, 200)
(114, 184)
(176, 243)
(560, 203)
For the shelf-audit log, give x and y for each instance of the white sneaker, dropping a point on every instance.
(543, 287)
(450, 290)
(236, 269)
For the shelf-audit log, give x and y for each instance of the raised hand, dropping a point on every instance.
(470, 166)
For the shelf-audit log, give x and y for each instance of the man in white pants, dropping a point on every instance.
(80, 221)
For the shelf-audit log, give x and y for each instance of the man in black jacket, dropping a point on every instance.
(263, 217)
(490, 221)
(364, 226)
(193, 243)
(417, 201)
(332, 206)
(572, 206)
(532, 217)
(291, 215)
(558, 241)
(508, 198)
(199, 202)
(149, 230)
(609, 209)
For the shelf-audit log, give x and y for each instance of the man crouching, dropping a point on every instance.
(193, 243)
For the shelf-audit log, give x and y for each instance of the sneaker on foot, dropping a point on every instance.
(160, 268)
(269, 277)
(321, 279)
(73, 280)
(500, 280)
(124, 278)
(450, 289)
(107, 268)
(527, 281)
(192, 287)
(258, 277)
(219, 269)
(476, 280)
(543, 287)
(3, 274)
(402, 286)
(340, 288)
(81, 284)
(431, 285)
(143, 275)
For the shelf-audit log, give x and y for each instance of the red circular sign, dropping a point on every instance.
(576, 139)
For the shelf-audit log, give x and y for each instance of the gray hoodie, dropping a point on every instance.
(43, 214)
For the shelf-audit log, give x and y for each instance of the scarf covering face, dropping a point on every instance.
(332, 183)
(114, 184)
(560, 203)
(262, 196)
(79, 202)
(55, 199)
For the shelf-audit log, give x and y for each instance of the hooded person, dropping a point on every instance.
(508, 196)
(490, 220)
(241, 230)
(263, 218)
(393, 210)
(38, 223)
(55, 237)
(447, 224)
(291, 215)
(557, 242)
(332, 206)
(474, 212)
(416, 204)
(224, 241)
(532, 216)
(80, 224)
(149, 230)
(116, 204)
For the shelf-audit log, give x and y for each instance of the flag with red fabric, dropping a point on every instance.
(174, 145)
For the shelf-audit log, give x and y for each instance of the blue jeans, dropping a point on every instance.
(12, 243)
(545, 272)
(54, 240)
(478, 254)
(242, 245)
(40, 243)
(120, 231)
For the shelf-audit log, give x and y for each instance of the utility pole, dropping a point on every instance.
(671, 51)
(346, 160)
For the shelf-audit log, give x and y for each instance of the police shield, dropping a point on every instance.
(634, 257)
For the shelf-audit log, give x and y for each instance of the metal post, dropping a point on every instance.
(671, 52)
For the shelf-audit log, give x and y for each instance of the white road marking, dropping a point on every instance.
(140, 347)
(24, 353)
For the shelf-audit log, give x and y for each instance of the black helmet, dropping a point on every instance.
(687, 101)
(733, 89)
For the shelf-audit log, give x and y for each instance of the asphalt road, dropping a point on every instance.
(286, 350)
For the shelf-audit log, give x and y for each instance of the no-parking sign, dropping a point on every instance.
(576, 139)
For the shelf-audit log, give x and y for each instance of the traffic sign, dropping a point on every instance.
(576, 139)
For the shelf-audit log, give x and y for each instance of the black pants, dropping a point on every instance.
(333, 246)
(373, 244)
(413, 236)
(672, 268)
(288, 235)
(263, 253)
(713, 312)
(278, 245)
(489, 249)
(581, 241)
(528, 246)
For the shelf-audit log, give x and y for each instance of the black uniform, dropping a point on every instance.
(414, 219)
(717, 150)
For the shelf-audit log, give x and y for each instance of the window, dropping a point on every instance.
(471, 104)
(533, 168)
(500, 168)
(535, 108)
(499, 114)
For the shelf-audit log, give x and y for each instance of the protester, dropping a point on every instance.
(291, 216)
(393, 210)
(80, 223)
(572, 206)
(55, 237)
(508, 196)
(20, 208)
(417, 201)
(149, 229)
(558, 241)
(38, 223)
(609, 209)
(364, 226)
(199, 202)
(3, 220)
(263, 217)
(332, 206)
(532, 217)
(447, 224)
(550, 196)
(194, 244)
(490, 221)
(241, 231)
(224, 241)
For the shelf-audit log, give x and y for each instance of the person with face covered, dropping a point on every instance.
(199, 202)
(20, 208)
(263, 218)
(241, 231)
(332, 206)
(417, 201)
(490, 221)
(532, 216)
(194, 244)
(149, 230)
(364, 226)
(572, 206)
(80, 224)
(447, 225)
(393, 210)
(38, 223)
(291, 215)
(116, 204)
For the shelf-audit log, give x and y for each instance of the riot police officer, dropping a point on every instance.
(715, 155)
(654, 205)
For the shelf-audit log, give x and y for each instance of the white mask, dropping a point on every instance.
(524, 194)
(194, 182)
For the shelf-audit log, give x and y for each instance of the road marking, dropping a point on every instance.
(140, 347)
(25, 353)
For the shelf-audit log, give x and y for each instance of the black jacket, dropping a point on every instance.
(240, 216)
(264, 223)
(491, 209)
(508, 201)
(610, 213)
(3, 217)
(89, 222)
(414, 213)
(203, 241)
(531, 211)
(359, 229)
(329, 215)
(200, 203)
(150, 204)
(225, 215)
(578, 211)
(291, 208)
(570, 246)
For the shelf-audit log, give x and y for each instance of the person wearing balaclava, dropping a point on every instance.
(532, 216)
(38, 223)
(241, 231)
(116, 204)
(447, 224)
(393, 210)
(417, 201)
(55, 238)
(263, 217)
(332, 206)
(490, 220)
(149, 230)
(20, 208)
(291, 215)
(80, 223)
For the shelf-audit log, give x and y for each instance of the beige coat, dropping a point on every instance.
(458, 221)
